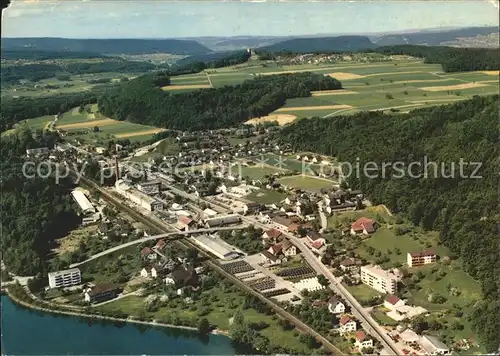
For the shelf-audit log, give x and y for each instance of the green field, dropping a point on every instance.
(306, 182)
(256, 172)
(264, 196)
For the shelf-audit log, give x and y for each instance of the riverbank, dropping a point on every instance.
(103, 317)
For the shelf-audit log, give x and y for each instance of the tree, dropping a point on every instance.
(96, 128)
(323, 280)
(203, 326)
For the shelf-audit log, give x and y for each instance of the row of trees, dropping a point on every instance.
(35, 211)
(451, 59)
(141, 101)
(450, 198)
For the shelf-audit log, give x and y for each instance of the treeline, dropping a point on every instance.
(211, 60)
(142, 101)
(14, 110)
(463, 208)
(34, 54)
(34, 211)
(11, 74)
(452, 59)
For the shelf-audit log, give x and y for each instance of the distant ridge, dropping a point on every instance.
(107, 46)
(321, 44)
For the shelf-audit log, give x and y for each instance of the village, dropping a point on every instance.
(284, 223)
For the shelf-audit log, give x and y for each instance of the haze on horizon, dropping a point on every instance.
(167, 19)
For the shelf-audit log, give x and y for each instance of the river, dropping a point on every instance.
(28, 332)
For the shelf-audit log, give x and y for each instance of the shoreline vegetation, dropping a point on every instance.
(17, 300)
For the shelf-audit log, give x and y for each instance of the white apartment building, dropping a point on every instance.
(379, 279)
(65, 278)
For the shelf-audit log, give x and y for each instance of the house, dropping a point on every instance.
(37, 151)
(318, 303)
(392, 302)
(148, 254)
(363, 226)
(252, 208)
(285, 248)
(294, 227)
(272, 259)
(433, 346)
(183, 277)
(151, 271)
(100, 293)
(223, 220)
(415, 259)
(313, 236)
(271, 236)
(184, 223)
(348, 265)
(335, 306)
(363, 341)
(347, 324)
(282, 223)
(379, 279)
(160, 245)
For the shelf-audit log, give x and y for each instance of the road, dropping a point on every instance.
(152, 238)
(357, 310)
(322, 216)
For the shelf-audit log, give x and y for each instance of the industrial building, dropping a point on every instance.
(222, 220)
(83, 202)
(218, 247)
(65, 278)
(137, 197)
(150, 187)
(379, 279)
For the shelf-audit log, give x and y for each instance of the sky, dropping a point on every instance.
(170, 19)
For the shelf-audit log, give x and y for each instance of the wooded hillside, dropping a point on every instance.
(320, 45)
(142, 101)
(452, 59)
(464, 210)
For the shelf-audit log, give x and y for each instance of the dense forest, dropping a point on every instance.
(452, 59)
(106, 46)
(216, 60)
(320, 45)
(11, 74)
(142, 101)
(464, 210)
(34, 211)
(14, 110)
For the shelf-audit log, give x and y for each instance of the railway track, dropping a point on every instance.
(214, 266)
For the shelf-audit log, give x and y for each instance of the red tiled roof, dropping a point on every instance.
(160, 244)
(422, 254)
(348, 262)
(361, 336)
(392, 299)
(273, 233)
(318, 303)
(317, 244)
(345, 319)
(275, 249)
(185, 220)
(363, 224)
(146, 251)
(293, 227)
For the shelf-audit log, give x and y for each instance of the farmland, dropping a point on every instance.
(306, 182)
(397, 86)
(92, 127)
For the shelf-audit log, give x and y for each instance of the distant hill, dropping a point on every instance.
(321, 44)
(107, 46)
(238, 42)
(436, 38)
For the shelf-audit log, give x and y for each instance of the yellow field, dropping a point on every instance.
(194, 86)
(81, 125)
(323, 107)
(345, 76)
(282, 119)
(139, 133)
(454, 87)
(333, 92)
(491, 72)
(488, 81)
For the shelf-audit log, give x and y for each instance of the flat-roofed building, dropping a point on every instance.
(379, 279)
(65, 278)
(433, 346)
(150, 187)
(415, 259)
(218, 247)
(138, 197)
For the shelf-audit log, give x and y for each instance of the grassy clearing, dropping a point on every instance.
(264, 196)
(306, 182)
(362, 292)
(256, 172)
